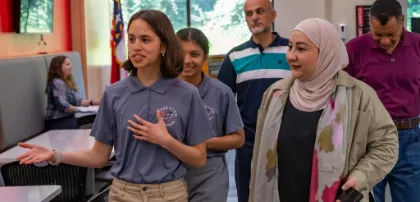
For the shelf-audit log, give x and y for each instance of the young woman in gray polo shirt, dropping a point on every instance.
(210, 183)
(155, 121)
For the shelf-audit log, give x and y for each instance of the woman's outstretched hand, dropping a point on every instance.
(35, 154)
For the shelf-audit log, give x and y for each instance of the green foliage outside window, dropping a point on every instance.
(413, 10)
(222, 21)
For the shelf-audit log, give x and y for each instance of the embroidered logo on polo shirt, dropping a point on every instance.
(209, 112)
(168, 114)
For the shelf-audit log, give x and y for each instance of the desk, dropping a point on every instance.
(30, 193)
(86, 111)
(85, 119)
(63, 140)
(79, 115)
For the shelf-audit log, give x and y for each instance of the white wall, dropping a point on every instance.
(404, 4)
(98, 52)
(291, 12)
(345, 12)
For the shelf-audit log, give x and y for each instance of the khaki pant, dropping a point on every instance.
(174, 191)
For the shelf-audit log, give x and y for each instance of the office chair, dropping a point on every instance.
(71, 178)
(102, 196)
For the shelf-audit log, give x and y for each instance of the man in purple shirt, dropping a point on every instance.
(388, 59)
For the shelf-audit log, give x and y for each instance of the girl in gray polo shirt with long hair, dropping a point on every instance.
(210, 183)
(154, 121)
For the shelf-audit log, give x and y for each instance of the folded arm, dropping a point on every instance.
(194, 156)
(234, 140)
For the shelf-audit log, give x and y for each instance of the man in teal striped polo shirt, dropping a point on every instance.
(249, 69)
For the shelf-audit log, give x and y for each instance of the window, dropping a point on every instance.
(222, 21)
(413, 10)
(176, 10)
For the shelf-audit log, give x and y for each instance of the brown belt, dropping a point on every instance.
(405, 124)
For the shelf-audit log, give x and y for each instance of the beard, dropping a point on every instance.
(258, 29)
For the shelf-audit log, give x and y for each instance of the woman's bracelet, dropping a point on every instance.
(58, 158)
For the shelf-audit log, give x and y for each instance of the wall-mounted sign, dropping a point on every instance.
(362, 20)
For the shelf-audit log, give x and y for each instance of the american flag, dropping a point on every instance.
(117, 44)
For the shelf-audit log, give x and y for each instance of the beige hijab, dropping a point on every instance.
(313, 94)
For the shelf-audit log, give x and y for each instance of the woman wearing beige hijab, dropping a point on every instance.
(320, 131)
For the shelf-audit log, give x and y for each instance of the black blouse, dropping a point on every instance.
(295, 151)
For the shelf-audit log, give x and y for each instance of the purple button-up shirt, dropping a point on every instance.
(395, 77)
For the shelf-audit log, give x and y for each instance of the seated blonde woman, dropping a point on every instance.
(320, 131)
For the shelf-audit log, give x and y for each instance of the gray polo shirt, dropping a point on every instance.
(221, 109)
(139, 161)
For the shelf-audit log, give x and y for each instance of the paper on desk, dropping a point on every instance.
(88, 109)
